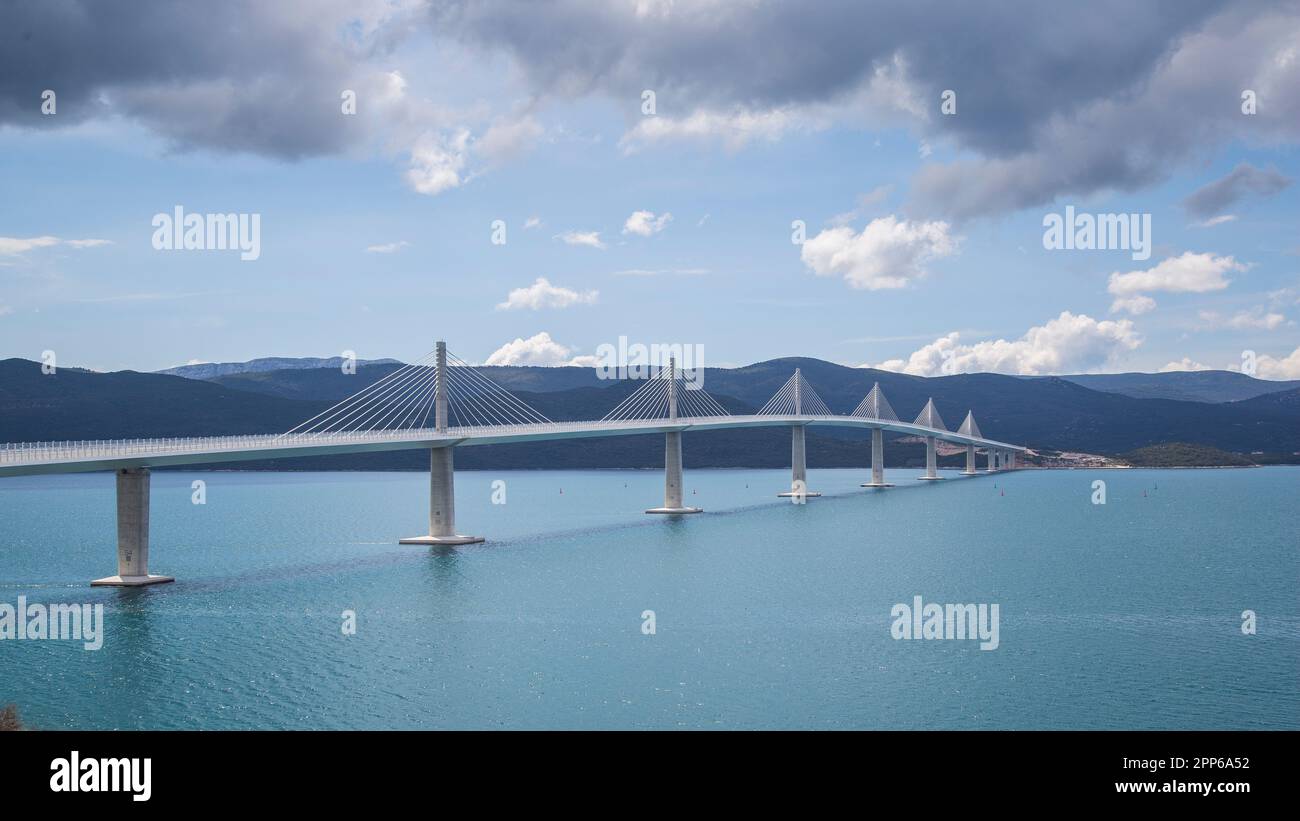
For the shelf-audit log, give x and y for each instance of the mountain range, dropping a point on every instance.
(1045, 413)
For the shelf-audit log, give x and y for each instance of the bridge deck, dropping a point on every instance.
(80, 457)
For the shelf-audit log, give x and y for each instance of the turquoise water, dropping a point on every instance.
(767, 614)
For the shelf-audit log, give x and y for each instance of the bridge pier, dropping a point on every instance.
(970, 461)
(442, 471)
(442, 503)
(132, 532)
(798, 466)
(993, 460)
(1011, 460)
(931, 461)
(877, 460)
(673, 477)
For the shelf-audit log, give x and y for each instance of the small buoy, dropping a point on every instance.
(561, 491)
(1003, 493)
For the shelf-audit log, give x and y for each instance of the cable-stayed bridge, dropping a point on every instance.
(440, 403)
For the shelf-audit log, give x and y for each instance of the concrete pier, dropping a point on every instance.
(442, 472)
(877, 460)
(442, 503)
(673, 477)
(993, 460)
(970, 461)
(798, 466)
(931, 462)
(132, 532)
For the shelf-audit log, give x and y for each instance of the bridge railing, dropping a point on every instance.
(24, 453)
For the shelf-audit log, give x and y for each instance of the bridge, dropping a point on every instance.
(467, 408)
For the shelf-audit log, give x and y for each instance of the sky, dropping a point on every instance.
(870, 183)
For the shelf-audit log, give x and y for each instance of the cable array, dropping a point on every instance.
(474, 400)
(875, 406)
(929, 417)
(406, 399)
(783, 402)
(651, 401)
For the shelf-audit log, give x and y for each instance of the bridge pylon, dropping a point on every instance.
(673, 455)
(795, 398)
(442, 471)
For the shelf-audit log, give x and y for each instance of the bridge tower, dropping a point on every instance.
(673, 454)
(442, 474)
(132, 532)
(929, 417)
(798, 459)
(969, 428)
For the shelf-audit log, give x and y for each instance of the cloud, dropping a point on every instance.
(507, 138)
(645, 223)
(889, 253)
(532, 222)
(1070, 343)
(1074, 108)
(591, 239)
(542, 294)
(1219, 220)
(1184, 364)
(1245, 180)
(1253, 319)
(1134, 305)
(388, 247)
(734, 128)
(13, 246)
(1288, 367)
(538, 349)
(5, 310)
(436, 162)
(1188, 273)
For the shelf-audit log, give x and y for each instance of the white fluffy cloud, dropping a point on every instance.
(13, 246)
(591, 239)
(437, 162)
(1070, 343)
(538, 349)
(542, 294)
(1288, 367)
(1185, 364)
(1189, 273)
(889, 253)
(645, 223)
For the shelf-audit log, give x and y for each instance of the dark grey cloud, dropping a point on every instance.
(1014, 65)
(1245, 180)
(1053, 98)
(262, 77)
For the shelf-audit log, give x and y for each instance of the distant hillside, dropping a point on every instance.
(1047, 413)
(1182, 454)
(210, 370)
(1191, 386)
